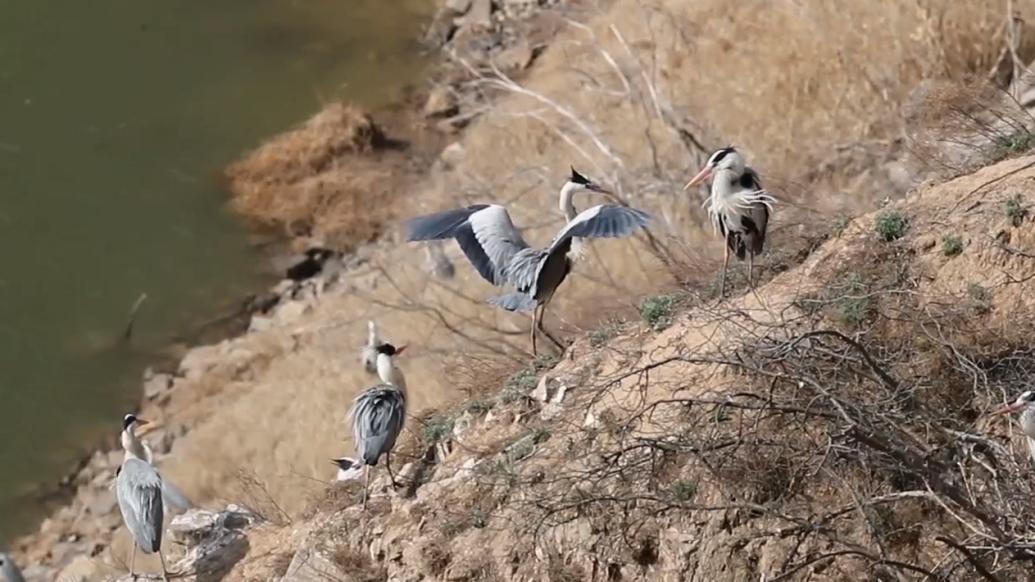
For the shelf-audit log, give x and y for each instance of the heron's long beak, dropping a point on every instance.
(399, 349)
(704, 174)
(142, 422)
(594, 187)
(1008, 408)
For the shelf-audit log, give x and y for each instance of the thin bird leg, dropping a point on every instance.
(751, 270)
(535, 322)
(722, 278)
(132, 562)
(542, 316)
(366, 485)
(165, 573)
(388, 464)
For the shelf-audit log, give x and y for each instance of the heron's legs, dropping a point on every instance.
(132, 562)
(366, 485)
(751, 270)
(535, 326)
(542, 316)
(165, 573)
(722, 277)
(388, 463)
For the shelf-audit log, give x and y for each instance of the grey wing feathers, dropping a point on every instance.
(604, 221)
(484, 232)
(377, 418)
(514, 301)
(139, 492)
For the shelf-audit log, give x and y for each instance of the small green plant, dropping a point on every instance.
(891, 225)
(545, 362)
(439, 427)
(1015, 210)
(1013, 144)
(978, 293)
(853, 306)
(952, 245)
(683, 491)
(657, 311)
(603, 334)
(518, 385)
(841, 224)
(477, 406)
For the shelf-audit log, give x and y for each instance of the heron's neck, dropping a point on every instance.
(1027, 421)
(389, 373)
(372, 334)
(133, 446)
(567, 204)
(722, 182)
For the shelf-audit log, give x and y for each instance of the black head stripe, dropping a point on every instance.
(128, 420)
(386, 349)
(578, 178)
(1028, 396)
(718, 155)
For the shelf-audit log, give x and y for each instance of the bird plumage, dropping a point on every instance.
(377, 417)
(139, 493)
(134, 447)
(9, 571)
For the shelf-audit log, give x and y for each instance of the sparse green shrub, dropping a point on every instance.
(952, 245)
(852, 305)
(841, 224)
(891, 225)
(657, 311)
(477, 406)
(1015, 210)
(603, 334)
(683, 491)
(1013, 144)
(438, 427)
(519, 385)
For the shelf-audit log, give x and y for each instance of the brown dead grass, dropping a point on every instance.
(326, 179)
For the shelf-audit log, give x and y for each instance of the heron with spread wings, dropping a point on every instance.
(501, 256)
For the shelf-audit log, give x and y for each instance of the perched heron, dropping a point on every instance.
(494, 246)
(135, 448)
(368, 355)
(139, 492)
(739, 207)
(1025, 404)
(9, 571)
(377, 415)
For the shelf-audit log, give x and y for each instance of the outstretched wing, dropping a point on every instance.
(603, 221)
(484, 232)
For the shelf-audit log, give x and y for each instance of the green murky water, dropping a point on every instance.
(116, 117)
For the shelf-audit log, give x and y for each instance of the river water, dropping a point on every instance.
(116, 117)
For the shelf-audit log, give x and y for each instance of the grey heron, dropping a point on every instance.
(368, 355)
(494, 246)
(9, 571)
(139, 492)
(1025, 404)
(739, 207)
(134, 447)
(377, 415)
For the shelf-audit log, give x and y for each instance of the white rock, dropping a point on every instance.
(311, 565)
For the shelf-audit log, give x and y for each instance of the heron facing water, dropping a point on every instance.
(501, 256)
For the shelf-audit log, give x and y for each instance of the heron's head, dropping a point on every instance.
(579, 183)
(725, 159)
(1024, 401)
(390, 350)
(130, 420)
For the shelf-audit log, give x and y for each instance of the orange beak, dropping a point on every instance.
(141, 421)
(1007, 408)
(399, 349)
(704, 174)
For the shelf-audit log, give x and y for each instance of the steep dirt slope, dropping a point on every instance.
(829, 427)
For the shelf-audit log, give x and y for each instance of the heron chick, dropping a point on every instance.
(378, 414)
(501, 256)
(739, 207)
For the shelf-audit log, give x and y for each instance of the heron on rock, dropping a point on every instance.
(739, 207)
(501, 256)
(138, 489)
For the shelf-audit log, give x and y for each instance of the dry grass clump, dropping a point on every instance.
(325, 179)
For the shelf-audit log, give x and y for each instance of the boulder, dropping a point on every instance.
(215, 541)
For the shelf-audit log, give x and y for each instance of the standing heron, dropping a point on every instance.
(139, 491)
(9, 571)
(738, 206)
(1025, 404)
(135, 448)
(494, 246)
(377, 415)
